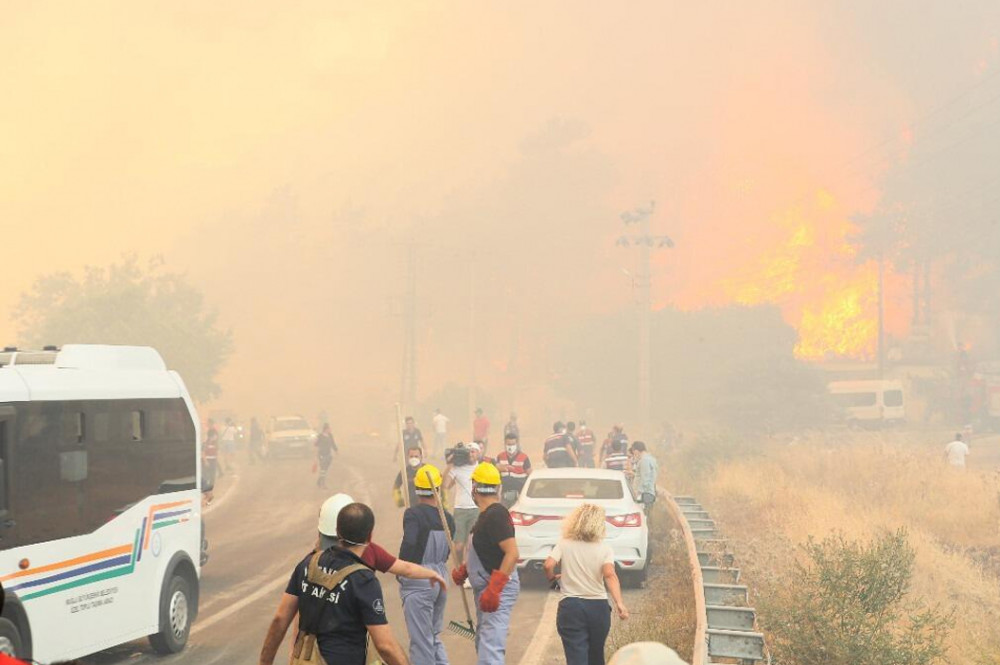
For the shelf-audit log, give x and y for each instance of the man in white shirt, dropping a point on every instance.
(459, 475)
(440, 431)
(956, 452)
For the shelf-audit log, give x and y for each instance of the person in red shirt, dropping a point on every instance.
(374, 556)
(481, 429)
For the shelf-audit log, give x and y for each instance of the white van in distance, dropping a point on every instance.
(869, 402)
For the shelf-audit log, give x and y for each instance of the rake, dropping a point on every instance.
(468, 629)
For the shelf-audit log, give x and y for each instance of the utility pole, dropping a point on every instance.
(473, 337)
(645, 241)
(881, 315)
(408, 384)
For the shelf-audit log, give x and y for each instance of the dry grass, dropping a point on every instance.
(773, 501)
(666, 611)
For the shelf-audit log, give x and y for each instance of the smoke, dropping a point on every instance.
(288, 157)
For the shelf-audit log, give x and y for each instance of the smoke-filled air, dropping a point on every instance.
(762, 240)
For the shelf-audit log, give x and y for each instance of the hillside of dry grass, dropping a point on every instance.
(769, 498)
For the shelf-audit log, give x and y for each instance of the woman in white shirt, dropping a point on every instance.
(588, 575)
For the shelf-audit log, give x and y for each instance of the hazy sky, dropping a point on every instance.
(281, 153)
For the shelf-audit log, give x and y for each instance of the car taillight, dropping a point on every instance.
(629, 519)
(526, 519)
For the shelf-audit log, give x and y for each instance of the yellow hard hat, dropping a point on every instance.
(421, 483)
(486, 474)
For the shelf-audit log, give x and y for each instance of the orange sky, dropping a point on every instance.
(163, 127)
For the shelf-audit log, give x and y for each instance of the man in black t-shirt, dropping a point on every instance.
(412, 436)
(491, 567)
(341, 618)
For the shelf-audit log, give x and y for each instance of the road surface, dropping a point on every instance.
(265, 522)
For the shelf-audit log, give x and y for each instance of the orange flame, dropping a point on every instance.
(814, 276)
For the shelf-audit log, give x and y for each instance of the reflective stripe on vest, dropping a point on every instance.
(516, 467)
(616, 462)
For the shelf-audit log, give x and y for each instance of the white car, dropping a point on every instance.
(290, 434)
(551, 494)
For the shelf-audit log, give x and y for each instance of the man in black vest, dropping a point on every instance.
(341, 618)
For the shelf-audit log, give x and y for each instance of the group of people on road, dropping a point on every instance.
(338, 600)
(568, 446)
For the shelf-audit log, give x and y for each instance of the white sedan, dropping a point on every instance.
(551, 494)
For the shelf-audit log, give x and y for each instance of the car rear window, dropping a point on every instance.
(574, 488)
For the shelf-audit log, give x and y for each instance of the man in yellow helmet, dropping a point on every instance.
(491, 566)
(425, 543)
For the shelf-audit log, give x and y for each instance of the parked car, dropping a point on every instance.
(289, 435)
(551, 494)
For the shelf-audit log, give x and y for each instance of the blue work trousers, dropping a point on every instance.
(423, 610)
(491, 627)
(583, 625)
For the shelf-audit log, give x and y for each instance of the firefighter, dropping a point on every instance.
(585, 436)
(514, 467)
(557, 449)
(425, 543)
(491, 567)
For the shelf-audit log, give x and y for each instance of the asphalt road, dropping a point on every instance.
(265, 522)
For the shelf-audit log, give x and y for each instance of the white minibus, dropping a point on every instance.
(100, 511)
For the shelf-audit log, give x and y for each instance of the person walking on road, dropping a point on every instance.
(491, 567)
(256, 446)
(459, 474)
(588, 576)
(481, 429)
(512, 428)
(646, 470)
(514, 467)
(426, 543)
(227, 446)
(440, 433)
(956, 452)
(586, 438)
(338, 600)
(557, 450)
(414, 460)
(325, 448)
(412, 436)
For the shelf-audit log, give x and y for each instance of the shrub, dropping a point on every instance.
(847, 604)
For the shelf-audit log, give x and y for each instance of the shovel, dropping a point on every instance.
(466, 630)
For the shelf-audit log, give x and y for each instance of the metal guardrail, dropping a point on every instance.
(700, 654)
(725, 624)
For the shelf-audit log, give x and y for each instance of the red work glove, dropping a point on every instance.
(459, 575)
(489, 600)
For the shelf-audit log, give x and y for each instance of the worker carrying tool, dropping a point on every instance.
(491, 567)
(425, 543)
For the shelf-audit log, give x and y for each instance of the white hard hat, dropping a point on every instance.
(474, 445)
(328, 513)
(646, 653)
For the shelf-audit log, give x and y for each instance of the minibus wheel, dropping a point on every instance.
(176, 606)
(10, 639)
